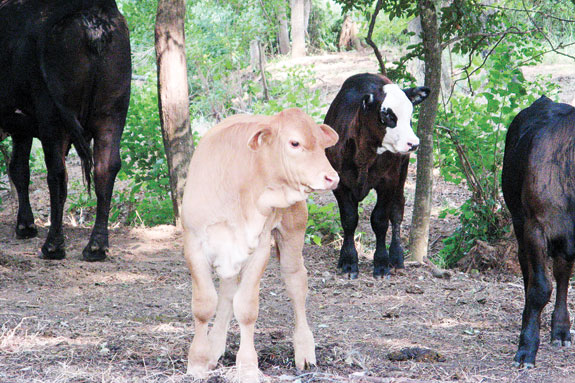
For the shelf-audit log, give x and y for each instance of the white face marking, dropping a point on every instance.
(400, 139)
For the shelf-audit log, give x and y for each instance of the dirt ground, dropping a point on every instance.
(129, 319)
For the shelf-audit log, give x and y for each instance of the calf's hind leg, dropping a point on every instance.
(224, 311)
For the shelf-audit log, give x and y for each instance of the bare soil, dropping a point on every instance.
(129, 319)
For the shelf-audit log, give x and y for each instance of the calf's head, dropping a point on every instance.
(292, 149)
(391, 109)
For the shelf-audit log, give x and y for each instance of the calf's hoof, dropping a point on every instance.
(52, 252)
(92, 253)
(197, 371)
(25, 231)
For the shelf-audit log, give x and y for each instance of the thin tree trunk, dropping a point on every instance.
(419, 234)
(283, 35)
(297, 28)
(173, 95)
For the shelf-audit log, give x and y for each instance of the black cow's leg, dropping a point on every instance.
(20, 174)
(348, 262)
(537, 295)
(380, 224)
(107, 163)
(560, 324)
(54, 155)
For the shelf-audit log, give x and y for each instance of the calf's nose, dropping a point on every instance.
(331, 180)
(412, 147)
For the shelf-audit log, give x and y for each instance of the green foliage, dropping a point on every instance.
(323, 222)
(472, 139)
(293, 92)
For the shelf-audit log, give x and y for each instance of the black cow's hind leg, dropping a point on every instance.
(54, 153)
(537, 294)
(19, 169)
(560, 323)
(348, 262)
(107, 163)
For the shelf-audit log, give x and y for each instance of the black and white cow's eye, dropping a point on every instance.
(294, 144)
(388, 118)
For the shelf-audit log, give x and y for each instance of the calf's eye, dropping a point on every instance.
(294, 144)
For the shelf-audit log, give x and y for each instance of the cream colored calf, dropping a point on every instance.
(248, 181)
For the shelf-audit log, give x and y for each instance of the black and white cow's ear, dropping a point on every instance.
(417, 95)
(367, 101)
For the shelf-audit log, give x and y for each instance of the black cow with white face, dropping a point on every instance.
(373, 119)
(65, 79)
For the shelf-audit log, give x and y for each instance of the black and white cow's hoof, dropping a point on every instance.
(25, 231)
(351, 270)
(52, 252)
(380, 272)
(561, 343)
(94, 253)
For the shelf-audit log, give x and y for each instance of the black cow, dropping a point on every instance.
(373, 119)
(538, 184)
(65, 79)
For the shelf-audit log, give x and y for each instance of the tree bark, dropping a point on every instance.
(283, 35)
(419, 234)
(173, 95)
(298, 28)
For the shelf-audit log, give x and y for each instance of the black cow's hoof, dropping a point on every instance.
(524, 359)
(24, 231)
(94, 254)
(51, 253)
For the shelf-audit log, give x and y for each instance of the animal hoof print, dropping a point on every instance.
(52, 255)
(99, 255)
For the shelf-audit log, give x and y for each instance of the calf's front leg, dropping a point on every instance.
(246, 308)
(290, 241)
(204, 300)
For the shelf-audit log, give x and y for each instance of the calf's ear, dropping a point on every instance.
(329, 136)
(260, 138)
(417, 95)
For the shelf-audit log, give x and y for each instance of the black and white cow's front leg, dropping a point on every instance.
(396, 217)
(19, 169)
(54, 155)
(380, 224)
(348, 262)
(107, 163)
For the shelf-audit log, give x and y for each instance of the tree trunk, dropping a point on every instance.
(283, 35)
(297, 28)
(419, 234)
(173, 95)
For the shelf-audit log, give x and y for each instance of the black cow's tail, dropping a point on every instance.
(71, 123)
